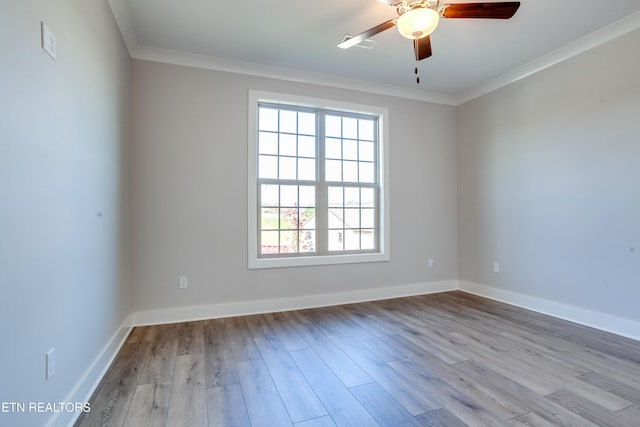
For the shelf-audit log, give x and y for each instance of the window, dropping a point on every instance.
(316, 182)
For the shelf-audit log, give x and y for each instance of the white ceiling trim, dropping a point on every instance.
(122, 16)
(597, 38)
(220, 64)
(123, 20)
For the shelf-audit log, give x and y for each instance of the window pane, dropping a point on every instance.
(350, 171)
(307, 241)
(306, 146)
(367, 240)
(350, 149)
(288, 145)
(307, 169)
(333, 148)
(351, 240)
(268, 167)
(367, 217)
(268, 119)
(269, 219)
(352, 196)
(333, 126)
(269, 242)
(307, 218)
(307, 196)
(289, 218)
(335, 196)
(367, 151)
(268, 143)
(367, 172)
(367, 197)
(287, 168)
(288, 241)
(333, 170)
(289, 195)
(307, 123)
(336, 240)
(288, 121)
(269, 195)
(336, 218)
(366, 129)
(349, 128)
(352, 218)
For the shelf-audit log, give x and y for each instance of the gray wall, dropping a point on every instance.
(64, 267)
(190, 184)
(549, 183)
(541, 176)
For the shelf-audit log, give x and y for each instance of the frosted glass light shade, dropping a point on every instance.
(418, 23)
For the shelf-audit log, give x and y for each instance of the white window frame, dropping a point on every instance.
(384, 254)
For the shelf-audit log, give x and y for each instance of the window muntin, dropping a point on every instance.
(290, 178)
(352, 219)
(350, 146)
(287, 219)
(301, 150)
(287, 180)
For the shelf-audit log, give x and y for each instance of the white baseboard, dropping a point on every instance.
(93, 375)
(606, 322)
(213, 311)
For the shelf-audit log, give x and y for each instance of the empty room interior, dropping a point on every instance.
(231, 214)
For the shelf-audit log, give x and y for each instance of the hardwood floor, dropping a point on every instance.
(449, 359)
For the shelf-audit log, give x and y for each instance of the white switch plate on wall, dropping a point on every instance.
(50, 359)
(48, 40)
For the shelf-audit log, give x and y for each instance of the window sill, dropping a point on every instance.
(303, 261)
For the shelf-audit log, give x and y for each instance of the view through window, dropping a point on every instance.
(318, 182)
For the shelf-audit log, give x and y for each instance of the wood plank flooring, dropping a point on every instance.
(449, 359)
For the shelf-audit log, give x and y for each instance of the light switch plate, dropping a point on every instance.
(48, 40)
(50, 363)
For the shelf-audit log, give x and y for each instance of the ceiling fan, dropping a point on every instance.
(418, 18)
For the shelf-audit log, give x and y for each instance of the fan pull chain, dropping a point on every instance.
(415, 51)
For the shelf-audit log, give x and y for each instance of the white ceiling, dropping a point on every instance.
(297, 39)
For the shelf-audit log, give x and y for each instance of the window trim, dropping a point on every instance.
(254, 261)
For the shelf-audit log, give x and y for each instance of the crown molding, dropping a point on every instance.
(590, 41)
(122, 16)
(258, 70)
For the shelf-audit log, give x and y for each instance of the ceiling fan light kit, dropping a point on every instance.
(418, 23)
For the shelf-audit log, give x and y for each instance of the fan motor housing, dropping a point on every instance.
(407, 5)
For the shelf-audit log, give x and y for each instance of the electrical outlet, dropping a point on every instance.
(496, 267)
(184, 282)
(50, 365)
(48, 40)
(430, 263)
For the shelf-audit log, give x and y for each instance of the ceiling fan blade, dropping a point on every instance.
(366, 34)
(391, 2)
(422, 48)
(499, 10)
